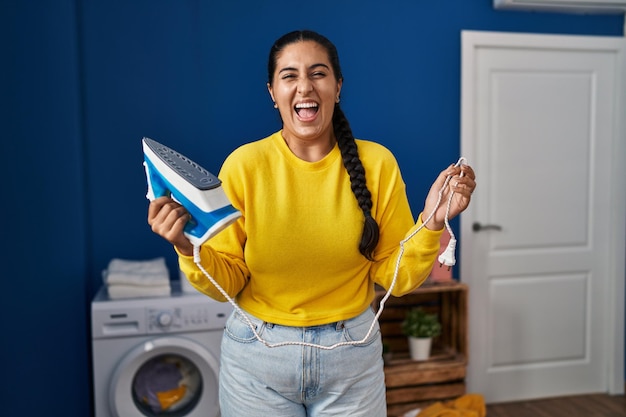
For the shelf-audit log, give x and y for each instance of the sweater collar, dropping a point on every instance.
(323, 163)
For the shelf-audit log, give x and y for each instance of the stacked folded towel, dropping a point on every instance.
(130, 279)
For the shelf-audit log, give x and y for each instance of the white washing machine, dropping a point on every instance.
(157, 356)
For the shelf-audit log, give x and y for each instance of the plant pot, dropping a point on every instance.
(419, 347)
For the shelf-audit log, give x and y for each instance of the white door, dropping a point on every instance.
(543, 242)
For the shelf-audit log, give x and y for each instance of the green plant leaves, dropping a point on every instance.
(418, 323)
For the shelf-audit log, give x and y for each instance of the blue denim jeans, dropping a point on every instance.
(299, 381)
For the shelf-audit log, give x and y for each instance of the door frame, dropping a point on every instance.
(473, 40)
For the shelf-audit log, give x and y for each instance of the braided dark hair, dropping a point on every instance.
(343, 134)
(352, 162)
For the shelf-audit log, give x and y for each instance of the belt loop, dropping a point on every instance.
(269, 325)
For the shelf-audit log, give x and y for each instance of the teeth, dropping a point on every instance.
(305, 105)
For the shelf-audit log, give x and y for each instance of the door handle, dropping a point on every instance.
(477, 227)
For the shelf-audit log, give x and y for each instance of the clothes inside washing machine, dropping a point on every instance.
(167, 385)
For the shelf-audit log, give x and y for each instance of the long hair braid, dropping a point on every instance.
(352, 163)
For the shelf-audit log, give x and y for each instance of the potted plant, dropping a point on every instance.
(420, 327)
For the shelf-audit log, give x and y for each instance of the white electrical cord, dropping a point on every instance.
(446, 258)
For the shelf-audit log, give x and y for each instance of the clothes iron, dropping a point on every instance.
(171, 174)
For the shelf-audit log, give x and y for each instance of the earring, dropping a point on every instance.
(338, 99)
(275, 105)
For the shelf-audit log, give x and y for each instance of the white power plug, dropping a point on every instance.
(447, 256)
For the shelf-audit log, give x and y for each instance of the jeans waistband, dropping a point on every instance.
(338, 325)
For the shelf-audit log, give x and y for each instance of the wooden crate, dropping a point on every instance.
(411, 384)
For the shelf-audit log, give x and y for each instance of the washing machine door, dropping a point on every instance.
(168, 376)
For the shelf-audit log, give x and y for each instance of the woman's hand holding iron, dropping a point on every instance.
(168, 219)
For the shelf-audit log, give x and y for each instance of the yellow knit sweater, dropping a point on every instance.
(293, 257)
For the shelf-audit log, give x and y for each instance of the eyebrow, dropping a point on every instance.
(310, 67)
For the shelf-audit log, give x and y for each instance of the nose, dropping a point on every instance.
(304, 86)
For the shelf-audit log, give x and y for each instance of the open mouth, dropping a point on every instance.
(306, 110)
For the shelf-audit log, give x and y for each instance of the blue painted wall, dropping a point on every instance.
(82, 81)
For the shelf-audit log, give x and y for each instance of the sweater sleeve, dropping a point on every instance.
(222, 256)
(418, 256)
(396, 223)
(229, 272)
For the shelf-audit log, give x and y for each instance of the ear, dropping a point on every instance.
(269, 90)
(339, 84)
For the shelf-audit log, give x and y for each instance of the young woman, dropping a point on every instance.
(323, 215)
